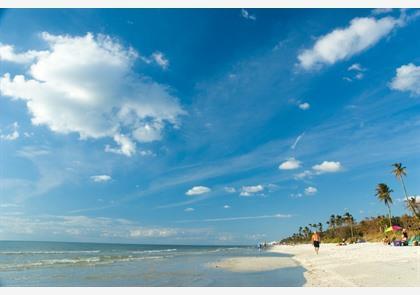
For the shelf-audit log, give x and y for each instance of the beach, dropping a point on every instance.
(357, 265)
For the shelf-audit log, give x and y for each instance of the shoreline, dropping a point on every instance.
(356, 265)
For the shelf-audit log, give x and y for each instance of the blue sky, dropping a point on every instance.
(202, 126)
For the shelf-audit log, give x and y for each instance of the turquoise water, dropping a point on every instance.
(93, 264)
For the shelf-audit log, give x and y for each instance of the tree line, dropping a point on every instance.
(372, 228)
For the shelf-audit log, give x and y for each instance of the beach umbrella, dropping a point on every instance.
(393, 228)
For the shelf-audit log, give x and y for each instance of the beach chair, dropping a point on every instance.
(397, 243)
(413, 239)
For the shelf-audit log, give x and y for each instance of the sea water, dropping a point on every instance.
(94, 264)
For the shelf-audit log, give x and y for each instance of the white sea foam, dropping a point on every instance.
(87, 261)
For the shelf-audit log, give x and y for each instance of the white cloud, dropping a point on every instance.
(247, 191)
(160, 59)
(304, 106)
(290, 164)
(226, 206)
(304, 174)
(31, 152)
(378, 11)
(342, 43)
(229, 189)
(359, 76)
(247, 15)
(9, 205)
(356, 67)
(189, 209)
(310, 190)
(96, 228)
(7, 53)
(296, 196)
(239, 218)
(297, 141)
(407, 78)
(327, 167)
(126, 146)
(147, 153)
(197, 190)
(101, 178)
(357, 72)
(13, 135)
(153, 232)
(94, 93)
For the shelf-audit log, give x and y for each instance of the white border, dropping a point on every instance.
(210, 3)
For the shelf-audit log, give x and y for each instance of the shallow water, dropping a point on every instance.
(92, 264)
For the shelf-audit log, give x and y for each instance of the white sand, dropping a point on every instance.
(253, 264)
(361, 265)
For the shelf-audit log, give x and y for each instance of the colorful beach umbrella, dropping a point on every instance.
(393, 228)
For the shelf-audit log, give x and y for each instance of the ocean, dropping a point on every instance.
(64, 264)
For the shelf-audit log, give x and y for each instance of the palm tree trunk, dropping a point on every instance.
(406, 197)
(389, 212)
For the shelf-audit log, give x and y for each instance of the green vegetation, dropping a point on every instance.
(369, 229)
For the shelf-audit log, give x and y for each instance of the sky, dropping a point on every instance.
(202, 126)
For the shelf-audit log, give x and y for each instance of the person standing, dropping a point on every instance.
(316, 240)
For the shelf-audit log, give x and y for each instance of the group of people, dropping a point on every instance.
(403, 242)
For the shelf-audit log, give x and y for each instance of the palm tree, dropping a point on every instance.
(331, 222)
(339, 220)
(320, 227)
(383, 192)
(306, 231)
(349, 220)
(313, 225)
(399, 172)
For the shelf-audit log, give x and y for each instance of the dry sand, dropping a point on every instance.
(253, 264)
(358, 265)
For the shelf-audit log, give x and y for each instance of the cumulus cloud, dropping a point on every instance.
(7, 53)
(189, 209)
(197, 190)
(304, 106)
(342, 43)
(226, 206)
(310, 190)
(407, 78)
(13, 135)
(245, 14)
(290, 164)
(101, 178)
(327, 167)
(126, 145)
(247, 191)
(94, 93)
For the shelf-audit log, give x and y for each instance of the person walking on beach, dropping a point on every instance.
(316, 240)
